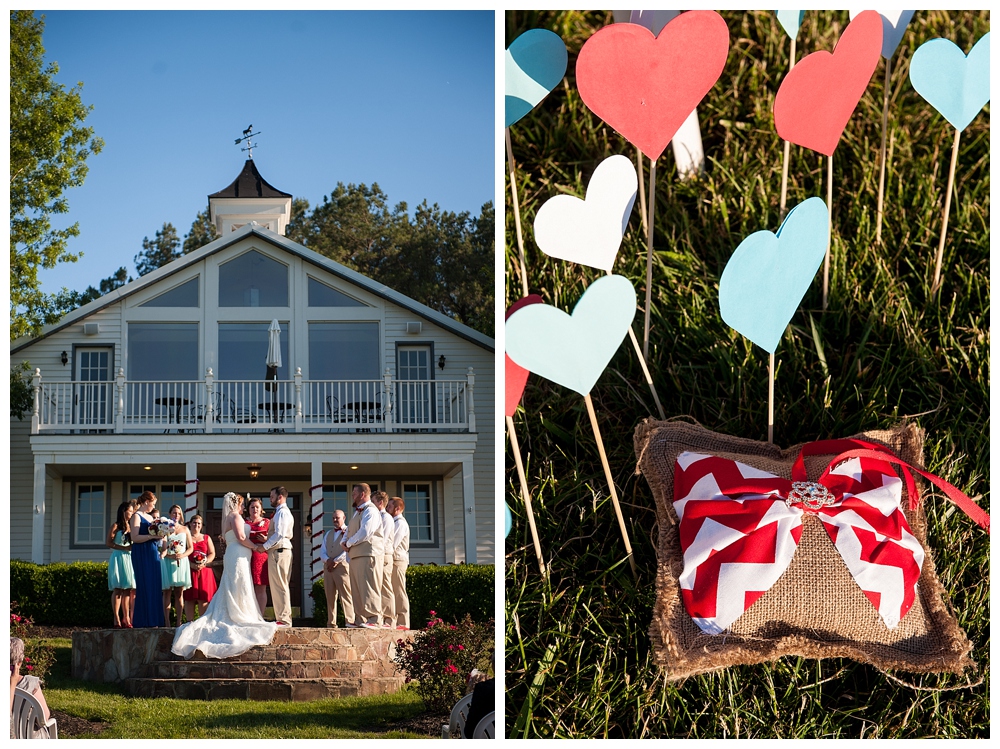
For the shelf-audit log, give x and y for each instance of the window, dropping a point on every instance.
(321, 295)
(418, 497)
(185, 295)
(91, 521)
(343, 351)
(253, 280)
(163, 351)
(338, 497)
(243, 351)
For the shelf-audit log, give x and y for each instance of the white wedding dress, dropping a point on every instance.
(232, 623)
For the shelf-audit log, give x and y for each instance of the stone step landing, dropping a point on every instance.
(299, 664)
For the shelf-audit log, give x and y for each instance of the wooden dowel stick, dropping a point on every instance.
(517, 213)
(787, 149)
(525, 493)
(829, 236)
(770, 399)
(649, 255)
(611, 483)
(881, 154)
(645, 369)
(642, 190)
(947, 209)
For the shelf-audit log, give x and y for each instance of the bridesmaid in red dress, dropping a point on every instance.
(258, 561)
(203, 584)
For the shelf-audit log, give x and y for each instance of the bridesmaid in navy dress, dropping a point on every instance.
(148, 609)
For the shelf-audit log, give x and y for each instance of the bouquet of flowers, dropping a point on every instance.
(175, 546)
(162, 527)
(198, 557)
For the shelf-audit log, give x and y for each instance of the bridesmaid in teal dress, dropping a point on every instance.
(175, 568)
(121, 578)
(148, 609)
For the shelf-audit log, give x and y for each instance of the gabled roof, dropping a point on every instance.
(351, 276)
(249, 184)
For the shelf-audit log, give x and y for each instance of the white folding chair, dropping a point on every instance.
(27, 718)
(486, 728)
(456, 725)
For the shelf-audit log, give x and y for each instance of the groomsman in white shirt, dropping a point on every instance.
(400, 561)
(381, 499)
(336, 571)
(363, 547)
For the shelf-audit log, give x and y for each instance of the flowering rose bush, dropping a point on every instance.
(38, 658)
(441, 657)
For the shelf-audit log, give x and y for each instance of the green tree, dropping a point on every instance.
(158, 251)
(48, 149)
(202, 232)
(106, 286)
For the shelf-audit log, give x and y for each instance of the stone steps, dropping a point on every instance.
(299, 664)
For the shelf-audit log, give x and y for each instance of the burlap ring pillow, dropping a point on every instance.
(815, 609)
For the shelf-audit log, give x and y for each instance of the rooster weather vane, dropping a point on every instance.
(247, 135)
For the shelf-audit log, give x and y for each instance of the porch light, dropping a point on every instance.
(441, 361)
(254, 470)
(147, 468)
(64, 358)
(354, 468)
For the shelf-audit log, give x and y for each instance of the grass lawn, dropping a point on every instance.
(129, 717)
(578, 661)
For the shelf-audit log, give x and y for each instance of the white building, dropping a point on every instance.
(162, 385)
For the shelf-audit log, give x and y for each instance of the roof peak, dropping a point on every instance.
(249, 184)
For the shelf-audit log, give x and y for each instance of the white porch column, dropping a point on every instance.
(58, 508)
(190, 490)
(38, 513)
(313, 565)
(469, 509)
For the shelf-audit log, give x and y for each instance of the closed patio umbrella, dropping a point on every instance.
(273, 364)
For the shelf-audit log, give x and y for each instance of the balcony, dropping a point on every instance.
(213, 406)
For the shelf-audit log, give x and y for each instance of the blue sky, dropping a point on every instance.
(404, 99)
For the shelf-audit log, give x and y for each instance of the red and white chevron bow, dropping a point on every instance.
(739, 527)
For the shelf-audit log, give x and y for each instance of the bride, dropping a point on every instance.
(232, 623)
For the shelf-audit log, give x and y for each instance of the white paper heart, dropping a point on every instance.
(590, 231)
(894, 24)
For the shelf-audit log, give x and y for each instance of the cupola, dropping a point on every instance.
(249, 199)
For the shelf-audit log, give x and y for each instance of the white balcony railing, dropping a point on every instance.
(210, 405)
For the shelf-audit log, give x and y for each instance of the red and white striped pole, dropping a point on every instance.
(316, 514)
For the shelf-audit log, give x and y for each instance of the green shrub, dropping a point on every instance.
(62, 594)
(38, 658)
(452, 591)
(441, 657)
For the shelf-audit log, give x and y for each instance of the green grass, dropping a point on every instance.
(578, 656)
(132, 718)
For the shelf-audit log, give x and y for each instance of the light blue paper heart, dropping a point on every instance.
(534, 64)
(573, 350)
(955, 85)
(508, 521)
(894, 23)
(790, 21)
(766, 278)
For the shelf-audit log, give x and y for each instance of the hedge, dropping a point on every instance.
(76, 594)
(62, 594)
(451, 592)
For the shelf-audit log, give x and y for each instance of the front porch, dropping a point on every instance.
(246, 406)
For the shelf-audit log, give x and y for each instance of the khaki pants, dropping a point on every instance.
(337, 585)
(388, 597)
(364, 595)
(402, 601)
(279, 573)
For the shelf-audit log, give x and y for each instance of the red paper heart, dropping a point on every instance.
(818, 96)
(516, 376)
(646, 86)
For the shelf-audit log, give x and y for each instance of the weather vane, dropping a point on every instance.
(247, 135)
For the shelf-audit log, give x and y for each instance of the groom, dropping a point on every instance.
(279, 556)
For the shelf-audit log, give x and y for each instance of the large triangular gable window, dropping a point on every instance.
(321, 295)
(253, 280)
(185, 295)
